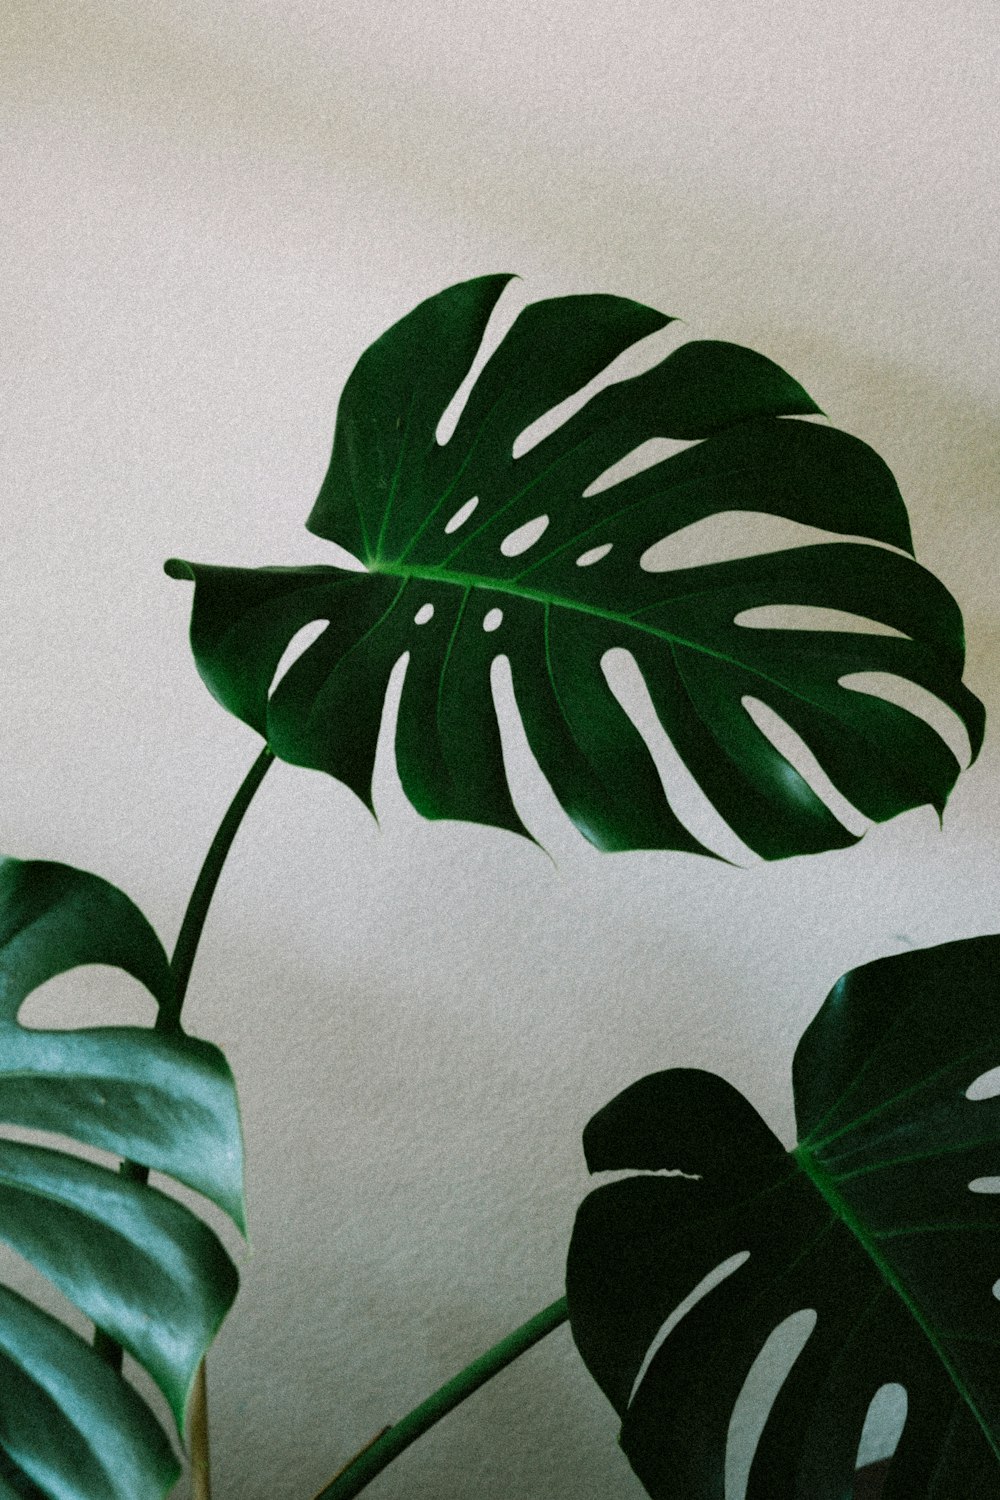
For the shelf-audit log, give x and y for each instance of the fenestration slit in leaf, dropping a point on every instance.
(868, 1220)
(707, 1284)
(461, 515)
(764, 1380)
(392, 491)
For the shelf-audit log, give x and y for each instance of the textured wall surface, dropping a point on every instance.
(210, 210)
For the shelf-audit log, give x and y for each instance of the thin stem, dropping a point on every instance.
(186, 946)
(182, 961)
(352, 1461)
(373, 1459)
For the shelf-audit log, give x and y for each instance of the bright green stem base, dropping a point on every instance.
(375, 1458)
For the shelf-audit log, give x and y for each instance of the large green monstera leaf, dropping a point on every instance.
(881, 1221)
(442, 530)
(141, 1266)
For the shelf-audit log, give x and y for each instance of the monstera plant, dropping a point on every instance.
(879, 1223)
(497, 542)
(149, 1274)
(440, 529)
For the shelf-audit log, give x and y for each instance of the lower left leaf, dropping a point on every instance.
(68, 1422)
(141, 1266)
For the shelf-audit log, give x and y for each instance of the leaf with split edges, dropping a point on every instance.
(869, 1221)
(140, 1265)
(438, 567)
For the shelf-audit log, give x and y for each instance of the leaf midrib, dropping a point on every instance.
(826, 1185)
(544, 596)
(512, 588)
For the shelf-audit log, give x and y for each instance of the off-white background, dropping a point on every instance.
(209, 210)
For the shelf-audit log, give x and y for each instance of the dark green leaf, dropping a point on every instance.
(869, 1221)
(140, 1265)
(393, 491)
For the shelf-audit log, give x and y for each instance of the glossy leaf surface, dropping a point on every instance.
(440, 569)
(138, 1264)
(870, 1222)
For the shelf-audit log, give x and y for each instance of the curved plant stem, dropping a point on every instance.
(169, 1019)
(374, 1458)
(186, 947)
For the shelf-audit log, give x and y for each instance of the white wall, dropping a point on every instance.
(211, 209)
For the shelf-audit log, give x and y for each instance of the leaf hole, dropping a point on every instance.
(387, 792)
(653, 451)
(918, 701)
(505, 310)
(996, 1290)
(733, 534)
(635, 360)
(884, 1423)
(30, 1282)
(811, 617)
(986, 1086)
(461, 515)
(90, 995)
(985, 1185)
(619, 1174)
(803, 766)
(66, 1145)
(694, 809)
(523, 537)
(424, 614)
(707, 1284)
(297, 646)
(758, 1394)
(492, 620)
(587, 559)
(530, 790)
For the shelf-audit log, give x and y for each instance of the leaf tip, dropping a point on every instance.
(235, 1206)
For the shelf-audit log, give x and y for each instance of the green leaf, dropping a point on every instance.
(73, 1427)
(869, 1222)
(393, 497)
(142, 1266)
